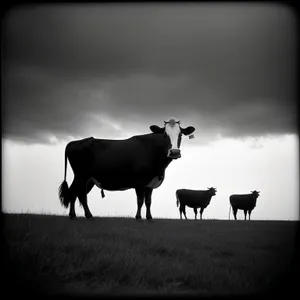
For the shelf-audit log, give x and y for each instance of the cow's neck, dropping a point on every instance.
(208, 198)
(168, 161)
(162, 145)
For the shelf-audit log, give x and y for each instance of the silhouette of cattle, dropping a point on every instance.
(138, 162)
(194, 199)
(245, 202)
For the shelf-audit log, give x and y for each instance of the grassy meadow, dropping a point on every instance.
(121, 256)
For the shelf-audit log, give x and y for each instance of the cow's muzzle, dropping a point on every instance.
(174, 153)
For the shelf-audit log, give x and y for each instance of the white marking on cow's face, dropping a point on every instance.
(173, 131)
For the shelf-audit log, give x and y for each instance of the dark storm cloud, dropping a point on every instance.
(71, 70)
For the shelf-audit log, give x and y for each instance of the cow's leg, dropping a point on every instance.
(140, 193)
(182, 210)
(201, 212)
(85, 188)
(148, 193)
(234, 212)
(245, 213)
(83, 200)
(73, 195)
(195, 211)
(249, 212)
(90, 184)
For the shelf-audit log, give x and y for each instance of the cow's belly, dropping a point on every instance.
(124, 183)
(111, 186)
(196, 205)
(245, 206)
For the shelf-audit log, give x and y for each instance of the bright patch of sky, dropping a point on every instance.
(31, 175)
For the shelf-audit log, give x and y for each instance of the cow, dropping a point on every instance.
(194, 199)
(246, 202)
(138, 162)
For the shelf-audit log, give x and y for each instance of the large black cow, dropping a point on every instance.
(138, 162)
(245, 202)
(194, 199)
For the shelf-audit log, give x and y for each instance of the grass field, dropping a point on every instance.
(122, 256)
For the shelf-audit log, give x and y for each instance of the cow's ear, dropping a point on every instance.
(157, 129)
(187, 130)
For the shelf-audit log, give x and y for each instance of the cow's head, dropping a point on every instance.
(212, 191)
(255, 194)
(173, 131)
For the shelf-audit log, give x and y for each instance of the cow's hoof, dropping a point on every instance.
(90, 217)
(72, 217)
(138, 217)
(149, 217)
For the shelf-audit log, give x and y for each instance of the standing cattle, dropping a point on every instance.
(245, 202)
(194, 199)
(138, 162)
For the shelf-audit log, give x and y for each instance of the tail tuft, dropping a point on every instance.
(63, 192)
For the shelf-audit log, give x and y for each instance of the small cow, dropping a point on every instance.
(136, 163)
(245, 202)
(194, 199)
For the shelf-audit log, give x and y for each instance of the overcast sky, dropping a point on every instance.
(110, 71)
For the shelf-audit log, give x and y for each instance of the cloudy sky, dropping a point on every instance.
(110, 71)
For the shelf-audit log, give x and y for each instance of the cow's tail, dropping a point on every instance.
(229, 210)
(63, 190)
(177, 202)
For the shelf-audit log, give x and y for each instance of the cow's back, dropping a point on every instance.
(118, 155)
